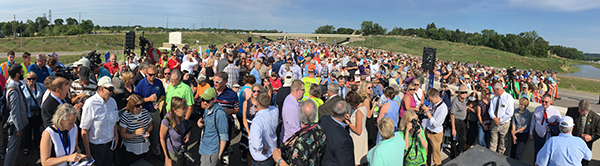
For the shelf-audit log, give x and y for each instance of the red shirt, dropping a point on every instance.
(173, 63)
(276, 83)
(111, 68)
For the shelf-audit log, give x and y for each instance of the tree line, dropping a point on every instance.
(525, 43)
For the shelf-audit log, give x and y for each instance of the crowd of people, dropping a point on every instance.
(295, 103)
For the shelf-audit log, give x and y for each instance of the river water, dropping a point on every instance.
(586, 71)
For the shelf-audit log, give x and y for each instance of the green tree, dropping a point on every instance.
(87, 26)
(59, 21)
(431, 26)
(72, 30)
(325, 29)
(71, 21)
(42, 22)
(378, 30)
(366, 27)
(345, 30)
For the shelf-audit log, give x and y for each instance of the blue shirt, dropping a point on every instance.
(262, 133)
(276, 66)
(564, 149)
(145, 89)
(393, 113)
(228, 99)
(210, 140)
(31, 103)
(41, 73)
(256, 75)
(377, 91)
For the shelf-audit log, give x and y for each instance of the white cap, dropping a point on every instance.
(84, 61)
(288, 79)
(105, 82)
(567, 120)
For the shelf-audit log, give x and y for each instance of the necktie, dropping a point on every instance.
(582, 124)
(497, 104)
(546, 118)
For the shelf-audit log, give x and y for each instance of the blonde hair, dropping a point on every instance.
(406, 119)
(210, 62)
(386, 128)
(362, 89)
(62, 113)
(524, 101)
(127, 77)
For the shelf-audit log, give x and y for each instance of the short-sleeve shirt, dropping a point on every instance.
(99, 118)
(522, 120)
(228, 99)
(145, 89)
(175, 139)
(132, 122)
(459, 109)
(182, 90)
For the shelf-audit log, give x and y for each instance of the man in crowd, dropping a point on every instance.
(122, 69)
(4, 67)
(58, 95)
(309, 80)
(176, 88)
(152, 90)
(290, 117)
(26, 62)
(40, 68)
(17, 119)
(99, 124)
(296, 70)
(233, 72)
(502, 107)
(167, 77)
(153, 53)
(83, 84)
(564, 149)
(458, 114)
(213, 141)
(340, 148)
(228, 99)
(256, 65)
(112, 66)
(262, 138)
(329, 105)
(142, 73)
(543, 116)
(587, 124)
(436, 115)
(342, 84)
(223, 63)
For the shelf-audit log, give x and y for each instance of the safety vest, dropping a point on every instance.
(4, 66)
(24, 69)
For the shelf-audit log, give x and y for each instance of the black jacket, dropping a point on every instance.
(339, 149)
(327, 107)
(49, 108)
(592, 126)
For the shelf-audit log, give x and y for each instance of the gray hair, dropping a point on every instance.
(40, 57)
(394, 73)
(308, 112)
(334, 88)
(144, 65)
(341, 108)
(584, 105)
(62, 113)
(564, 129)
(498, 86)
(176, 73)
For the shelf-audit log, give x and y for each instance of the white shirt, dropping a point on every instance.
(100, 119)
(505, 109)
(189, 65)
(438, 116)
(538, 116)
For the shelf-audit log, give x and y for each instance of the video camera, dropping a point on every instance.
(94, 57)
(66, 72)
(143, 43)
(511, 72)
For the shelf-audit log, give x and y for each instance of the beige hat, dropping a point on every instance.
(463, 89)
(105, 82)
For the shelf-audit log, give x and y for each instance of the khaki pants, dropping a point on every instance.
(498, 138)
(435, 143)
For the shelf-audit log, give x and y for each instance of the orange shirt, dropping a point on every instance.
(200, 90)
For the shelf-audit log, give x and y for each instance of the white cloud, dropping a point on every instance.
(557, 5)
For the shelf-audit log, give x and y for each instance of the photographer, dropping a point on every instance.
(435, 118)
(416, 145)
(173, 132)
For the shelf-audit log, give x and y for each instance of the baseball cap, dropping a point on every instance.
(119, 85)
(566, 121)
(85, 62)
(201, 79)
(525, 86)
(311, 67)
(84, 73)
(236, 85)
(105, 82)
(209, 94)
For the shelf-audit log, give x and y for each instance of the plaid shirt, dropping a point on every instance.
(233, 73)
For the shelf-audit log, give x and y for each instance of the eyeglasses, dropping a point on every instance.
(138, 105)
(255, 91)
(544, 102)
(412, 89)
(218, 82)
(110, 88)
(31, 79)
(369, 87)
(463, 92)
(151, 74)
(207, 101)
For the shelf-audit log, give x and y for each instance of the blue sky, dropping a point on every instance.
(572, 23)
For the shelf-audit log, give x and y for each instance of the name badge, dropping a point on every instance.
(516, 114)
(134, 121)
(503, 106)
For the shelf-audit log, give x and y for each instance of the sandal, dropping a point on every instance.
(26, 151)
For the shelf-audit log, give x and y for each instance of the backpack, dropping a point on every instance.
(4, 111)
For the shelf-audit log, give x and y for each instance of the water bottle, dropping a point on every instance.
(454, 138)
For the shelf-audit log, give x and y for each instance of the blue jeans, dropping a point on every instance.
(269, 162)
(483, 136)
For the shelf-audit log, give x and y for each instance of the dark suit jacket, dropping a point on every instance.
(137, 78)
(339, 149)
(49, 108)
(327, 107)
(592, 126)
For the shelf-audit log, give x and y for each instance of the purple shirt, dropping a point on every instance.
(290, 117)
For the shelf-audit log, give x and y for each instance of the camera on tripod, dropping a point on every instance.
(66, 72)
(510, 72)
(94, 57)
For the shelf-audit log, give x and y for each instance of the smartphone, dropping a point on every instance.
(112, 145)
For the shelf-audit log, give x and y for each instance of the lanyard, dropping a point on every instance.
(67, 146)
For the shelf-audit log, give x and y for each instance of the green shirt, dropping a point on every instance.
(182, 90)
(387, 152)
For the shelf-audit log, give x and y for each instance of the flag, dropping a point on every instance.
(107, 56)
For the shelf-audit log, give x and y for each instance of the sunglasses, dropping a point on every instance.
(218, 82)
(463, 92)
(167, 73)
(544, 102)
(369, 87)
(110, 89)
(31, 79)
(138, 105)
(207, 101)
(151, 74)
(412, 89)
(255, 91)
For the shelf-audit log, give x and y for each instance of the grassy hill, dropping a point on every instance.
(463, 52)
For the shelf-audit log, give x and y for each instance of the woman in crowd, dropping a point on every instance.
(173, 62)
(315, 95)
(246, 92)
(209, 72)
(364, 91)
(249, 110)
(275, 81)
(483, 117)
(33, 92)
(270, 91)
(358, 130)
(408, 101)
(135, 126)
(128, 80)
(390, 109)
(414, 137)
(58, 146)
(390, 148)
(172, 129)
(472, 119)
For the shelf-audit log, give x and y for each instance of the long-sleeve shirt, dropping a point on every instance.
(506, 108)
(290, 117)
(564, 149)
(16, 105)
(438, 116)
(262, 133)
(296, 70)
(538, 117)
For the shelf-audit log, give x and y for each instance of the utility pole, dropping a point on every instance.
(167, 23)
(50, 19)
(202, 25)
(219, 27)
(14, 26)
(193, 26)
(79, 25)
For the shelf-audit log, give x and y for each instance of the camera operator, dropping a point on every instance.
(83, 84)
(435, 118)
(153, 53)
(414, 136)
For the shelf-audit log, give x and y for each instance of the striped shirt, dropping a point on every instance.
(132, 122)
(78, 88)
(228, 99)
